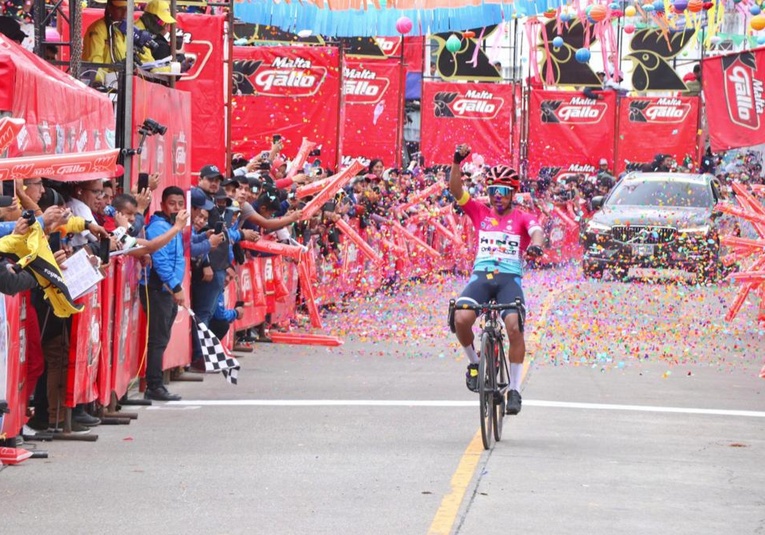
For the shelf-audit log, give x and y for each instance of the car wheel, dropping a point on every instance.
(592, 270)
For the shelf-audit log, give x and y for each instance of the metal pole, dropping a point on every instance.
(340, 104)
(171, 29)
(228, 84)
(401, 103)
(75, 39)
(128, 111)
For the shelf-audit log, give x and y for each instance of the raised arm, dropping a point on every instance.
(455, 178)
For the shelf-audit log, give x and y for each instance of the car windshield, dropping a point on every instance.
(661, 193)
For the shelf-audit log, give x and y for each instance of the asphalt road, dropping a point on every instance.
(643, 413)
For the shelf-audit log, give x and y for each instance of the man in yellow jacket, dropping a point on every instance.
(105, 43)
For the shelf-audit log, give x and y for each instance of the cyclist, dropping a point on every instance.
(504, 233)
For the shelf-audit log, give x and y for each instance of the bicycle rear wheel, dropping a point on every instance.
(486, 381)
(500, 400)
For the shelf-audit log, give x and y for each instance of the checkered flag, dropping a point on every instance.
(216, 357)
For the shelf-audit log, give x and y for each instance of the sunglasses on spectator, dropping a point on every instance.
(500, 190)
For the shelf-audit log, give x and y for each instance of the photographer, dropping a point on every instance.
(155, 20)
(105, 42)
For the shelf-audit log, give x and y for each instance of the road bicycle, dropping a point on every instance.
(493, 372)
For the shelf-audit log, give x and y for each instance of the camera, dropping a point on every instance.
(141, 38)
(151, 127)
(29, 217)
(121, 235)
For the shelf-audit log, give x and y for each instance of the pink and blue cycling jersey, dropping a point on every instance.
(501, 239)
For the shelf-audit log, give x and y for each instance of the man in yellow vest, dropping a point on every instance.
(105, 41)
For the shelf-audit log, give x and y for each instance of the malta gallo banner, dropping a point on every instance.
(166, 154)
(735, 107)
(203, 42)
(290, 91)
(478, 114)
(371, 110)
(569, 132)
(644, 120)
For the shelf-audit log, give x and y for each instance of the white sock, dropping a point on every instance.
(516, 370)
(471, 354)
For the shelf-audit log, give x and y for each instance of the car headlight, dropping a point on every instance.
(695, 230)
(597, 228)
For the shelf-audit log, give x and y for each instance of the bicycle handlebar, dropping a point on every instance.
(482, 307)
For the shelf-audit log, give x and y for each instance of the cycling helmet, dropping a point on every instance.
(503, 175)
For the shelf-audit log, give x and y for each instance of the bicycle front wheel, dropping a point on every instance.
(486, 381)
(500, 400)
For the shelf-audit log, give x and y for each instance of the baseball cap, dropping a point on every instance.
(6, 201)
(603, 161)
(221, 195)
(11, 28)
(230, 182)
(161, 9)
(210, 171)
(200, 200)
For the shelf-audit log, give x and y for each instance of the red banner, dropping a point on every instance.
(84, 351)
(735, 105)
(62, 115)
(63, 167)
(12, 361)
(478, 114)
(569, 132)
(204, 42)
(644, 120)
(291, 91)
(372, 110)
(167, 154)
(127, 333)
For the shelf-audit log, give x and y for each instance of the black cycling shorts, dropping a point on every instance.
(483, 286)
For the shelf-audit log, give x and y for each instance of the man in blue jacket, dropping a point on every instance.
(161, 292)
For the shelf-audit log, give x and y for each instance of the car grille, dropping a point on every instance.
(641, 234)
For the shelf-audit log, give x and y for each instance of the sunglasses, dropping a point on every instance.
(500, 190)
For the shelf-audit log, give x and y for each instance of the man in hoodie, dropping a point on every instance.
(161, 292)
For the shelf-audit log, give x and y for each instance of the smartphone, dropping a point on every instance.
(143, 181)
(277, 138)
(103, 250)
(239, 304)
(219, 227)
(54, 240)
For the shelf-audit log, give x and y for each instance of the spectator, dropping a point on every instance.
(156, 19)
(161, 292)
(104, 42)
(11, 28)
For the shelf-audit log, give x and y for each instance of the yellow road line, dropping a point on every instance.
(443, 522)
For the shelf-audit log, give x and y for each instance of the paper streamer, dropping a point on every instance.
(269, 246)
(296, 165)
(340, 180)
(363, 246)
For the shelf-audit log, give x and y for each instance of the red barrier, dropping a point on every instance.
(12, 361)
(105, 382)
(253, 295)
(129, 331)
(84, 351)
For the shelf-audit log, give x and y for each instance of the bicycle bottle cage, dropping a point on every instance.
(452, 326)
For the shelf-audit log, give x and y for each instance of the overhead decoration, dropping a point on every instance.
(651, 52)
(460, 57)
(353, 18)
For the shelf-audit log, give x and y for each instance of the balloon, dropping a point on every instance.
(757, 22)
(755, 9)
(453, 44)
(630, 11)
(583, 55)
(404, 25)
(557, 41)
(613, 6)
(565, 17)
(468, 34)
(695, 6)
(658, 5)
(761, 39)
(597, 12)
(680, 5)
(648, 8)
(550, 13)
(629, 28)
(304, 34)
(708, 5)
